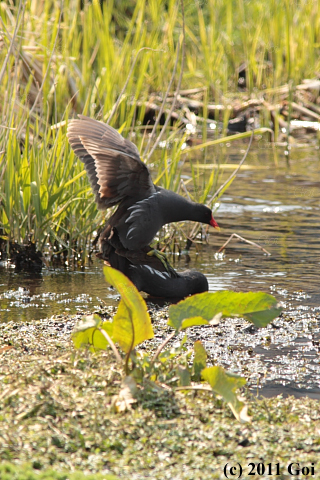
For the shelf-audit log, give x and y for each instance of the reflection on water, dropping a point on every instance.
(277, 208)
(280, 212)
(29, 297)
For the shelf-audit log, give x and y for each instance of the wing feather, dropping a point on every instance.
(113, 163)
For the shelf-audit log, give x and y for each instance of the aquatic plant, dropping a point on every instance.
(45, 196)
(131, 326)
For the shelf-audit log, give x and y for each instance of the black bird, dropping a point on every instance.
(119, 177)
(154, 279)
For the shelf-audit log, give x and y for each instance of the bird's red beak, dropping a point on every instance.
(214, 224)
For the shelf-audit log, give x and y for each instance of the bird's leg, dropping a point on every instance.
(163, 259)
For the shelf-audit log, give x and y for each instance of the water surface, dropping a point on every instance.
(278, 208)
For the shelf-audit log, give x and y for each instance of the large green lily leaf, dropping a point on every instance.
(225, 384)
(132, 323)
(258, 307)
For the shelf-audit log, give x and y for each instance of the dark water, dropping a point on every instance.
(279, 208)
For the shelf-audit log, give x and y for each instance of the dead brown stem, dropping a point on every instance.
(243, 240)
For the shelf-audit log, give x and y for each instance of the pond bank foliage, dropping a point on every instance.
(245, 64)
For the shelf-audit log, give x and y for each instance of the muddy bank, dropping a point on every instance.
(56, 405)
(281, 358)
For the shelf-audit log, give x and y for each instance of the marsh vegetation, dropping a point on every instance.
(123, 62)
(210, 76)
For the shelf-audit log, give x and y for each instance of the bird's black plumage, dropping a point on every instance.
(119, 177)
(153, 279)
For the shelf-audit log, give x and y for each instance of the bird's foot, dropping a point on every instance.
(163, 259)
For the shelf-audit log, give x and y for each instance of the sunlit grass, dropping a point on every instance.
(45, 195)
(59, 62)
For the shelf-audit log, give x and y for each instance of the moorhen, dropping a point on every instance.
(118, 176)
(155, 280)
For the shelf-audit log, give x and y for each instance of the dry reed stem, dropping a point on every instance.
(244, 240)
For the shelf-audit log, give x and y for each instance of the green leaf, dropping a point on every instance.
(184, 376)
(225, 384)
(228, 139)
(258, 307)
(86, 332)
(124, 332)
(199, 361)
(264, 317)
(193, 322)
(132, 323)
(87, 322)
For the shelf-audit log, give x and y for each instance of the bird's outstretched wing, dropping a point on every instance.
(112, 163)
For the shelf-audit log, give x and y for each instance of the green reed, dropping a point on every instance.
(56, 62)
(45, 194)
